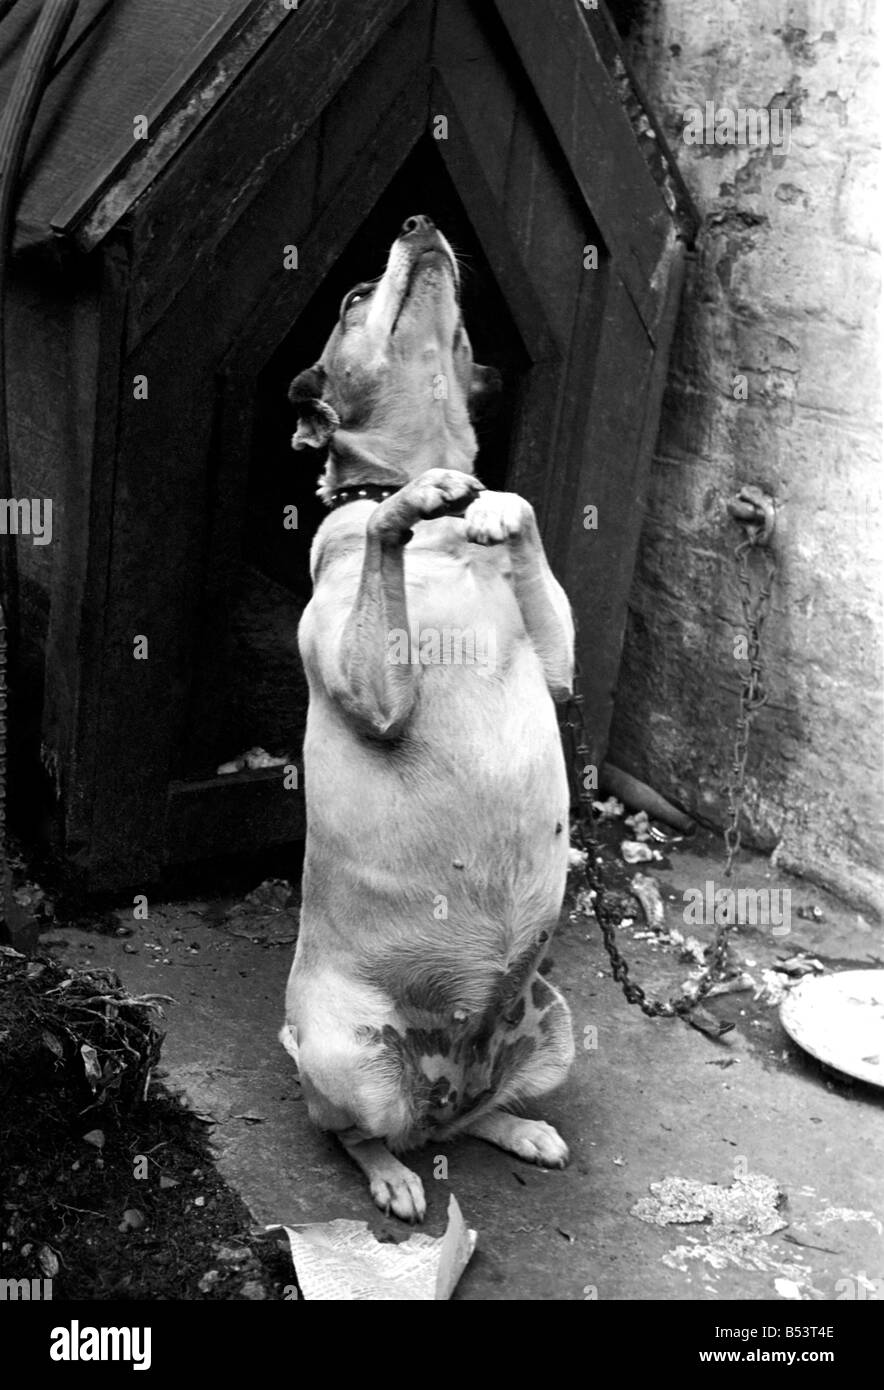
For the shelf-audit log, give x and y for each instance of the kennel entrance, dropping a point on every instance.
(518, 128)
(251, 651)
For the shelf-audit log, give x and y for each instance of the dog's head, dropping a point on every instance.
(395, 388)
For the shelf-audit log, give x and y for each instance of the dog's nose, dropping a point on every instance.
(417, 224)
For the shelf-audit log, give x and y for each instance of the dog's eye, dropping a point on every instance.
(360, 292)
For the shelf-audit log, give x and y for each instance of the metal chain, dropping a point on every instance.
(753, 695)
(752, 698)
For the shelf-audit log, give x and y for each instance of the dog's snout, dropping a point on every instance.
(417, 224)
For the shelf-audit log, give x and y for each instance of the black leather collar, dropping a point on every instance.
(362, 492)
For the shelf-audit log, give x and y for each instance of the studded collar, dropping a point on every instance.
(362, 492)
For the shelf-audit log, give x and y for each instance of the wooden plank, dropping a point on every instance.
(242, 150)
(644, 121)
(598, 564)
(154, 572)
(478, 84)
(550, 475)
(616, 455)
(538, 449)
(401, 54)
(76, 644)
(542, 205)
(284, 295)
(524, 285)
(523, 168)
(540, 272)
(232, 815)
(581, 103)
(237, 267)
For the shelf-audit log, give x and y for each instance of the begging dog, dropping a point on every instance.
(435, 643)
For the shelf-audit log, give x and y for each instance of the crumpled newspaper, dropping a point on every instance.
(342, 1260)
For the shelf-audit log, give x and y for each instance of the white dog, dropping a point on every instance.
(437, 799)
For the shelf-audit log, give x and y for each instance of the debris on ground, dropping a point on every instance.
(689, 947)
(787, 1288)
(750, 1204)
(342, 1260)
(577, 858)
(773, 988)
(738, 1219)
(706, 1022)
(800, 965)
(738, 985)
(791, 1278)
(77, 1028)
(640, 826)
(273, 895)
(778, 980)
(635, 851)
(252, 761)
(811, 913)
(829, 1214)
(33, 899)
(265, 915)
(612, 809)
(646, 890)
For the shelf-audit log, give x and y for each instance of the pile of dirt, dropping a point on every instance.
(108, 1184)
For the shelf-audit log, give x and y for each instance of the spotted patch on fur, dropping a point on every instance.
(541, 993)
(452, 1070)
(516, 1014)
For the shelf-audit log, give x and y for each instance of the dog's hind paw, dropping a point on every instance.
(533, 1140)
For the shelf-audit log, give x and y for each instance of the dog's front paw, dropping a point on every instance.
(538, 1142)
(401, 1193)
(496, 517)
(437, 492)
(533, 1140)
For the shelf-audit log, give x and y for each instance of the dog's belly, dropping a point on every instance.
(433, 864)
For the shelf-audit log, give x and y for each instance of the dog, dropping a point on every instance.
(437, 796)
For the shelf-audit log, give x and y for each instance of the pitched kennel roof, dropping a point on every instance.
(168, 60)
(173, 61)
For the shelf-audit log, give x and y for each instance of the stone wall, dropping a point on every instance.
(781, 307)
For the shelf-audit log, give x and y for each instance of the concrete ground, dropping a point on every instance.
(646, 1100)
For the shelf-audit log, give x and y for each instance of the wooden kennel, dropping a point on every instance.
(204, 181)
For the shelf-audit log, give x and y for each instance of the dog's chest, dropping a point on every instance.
(460, 582)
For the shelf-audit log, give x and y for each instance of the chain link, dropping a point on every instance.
(752, 698)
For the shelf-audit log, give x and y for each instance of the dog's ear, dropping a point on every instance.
(317, 420)
(484, 396)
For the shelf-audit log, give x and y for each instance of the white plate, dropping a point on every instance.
(839, 1019)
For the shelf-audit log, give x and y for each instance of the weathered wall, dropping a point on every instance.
(784, 293)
